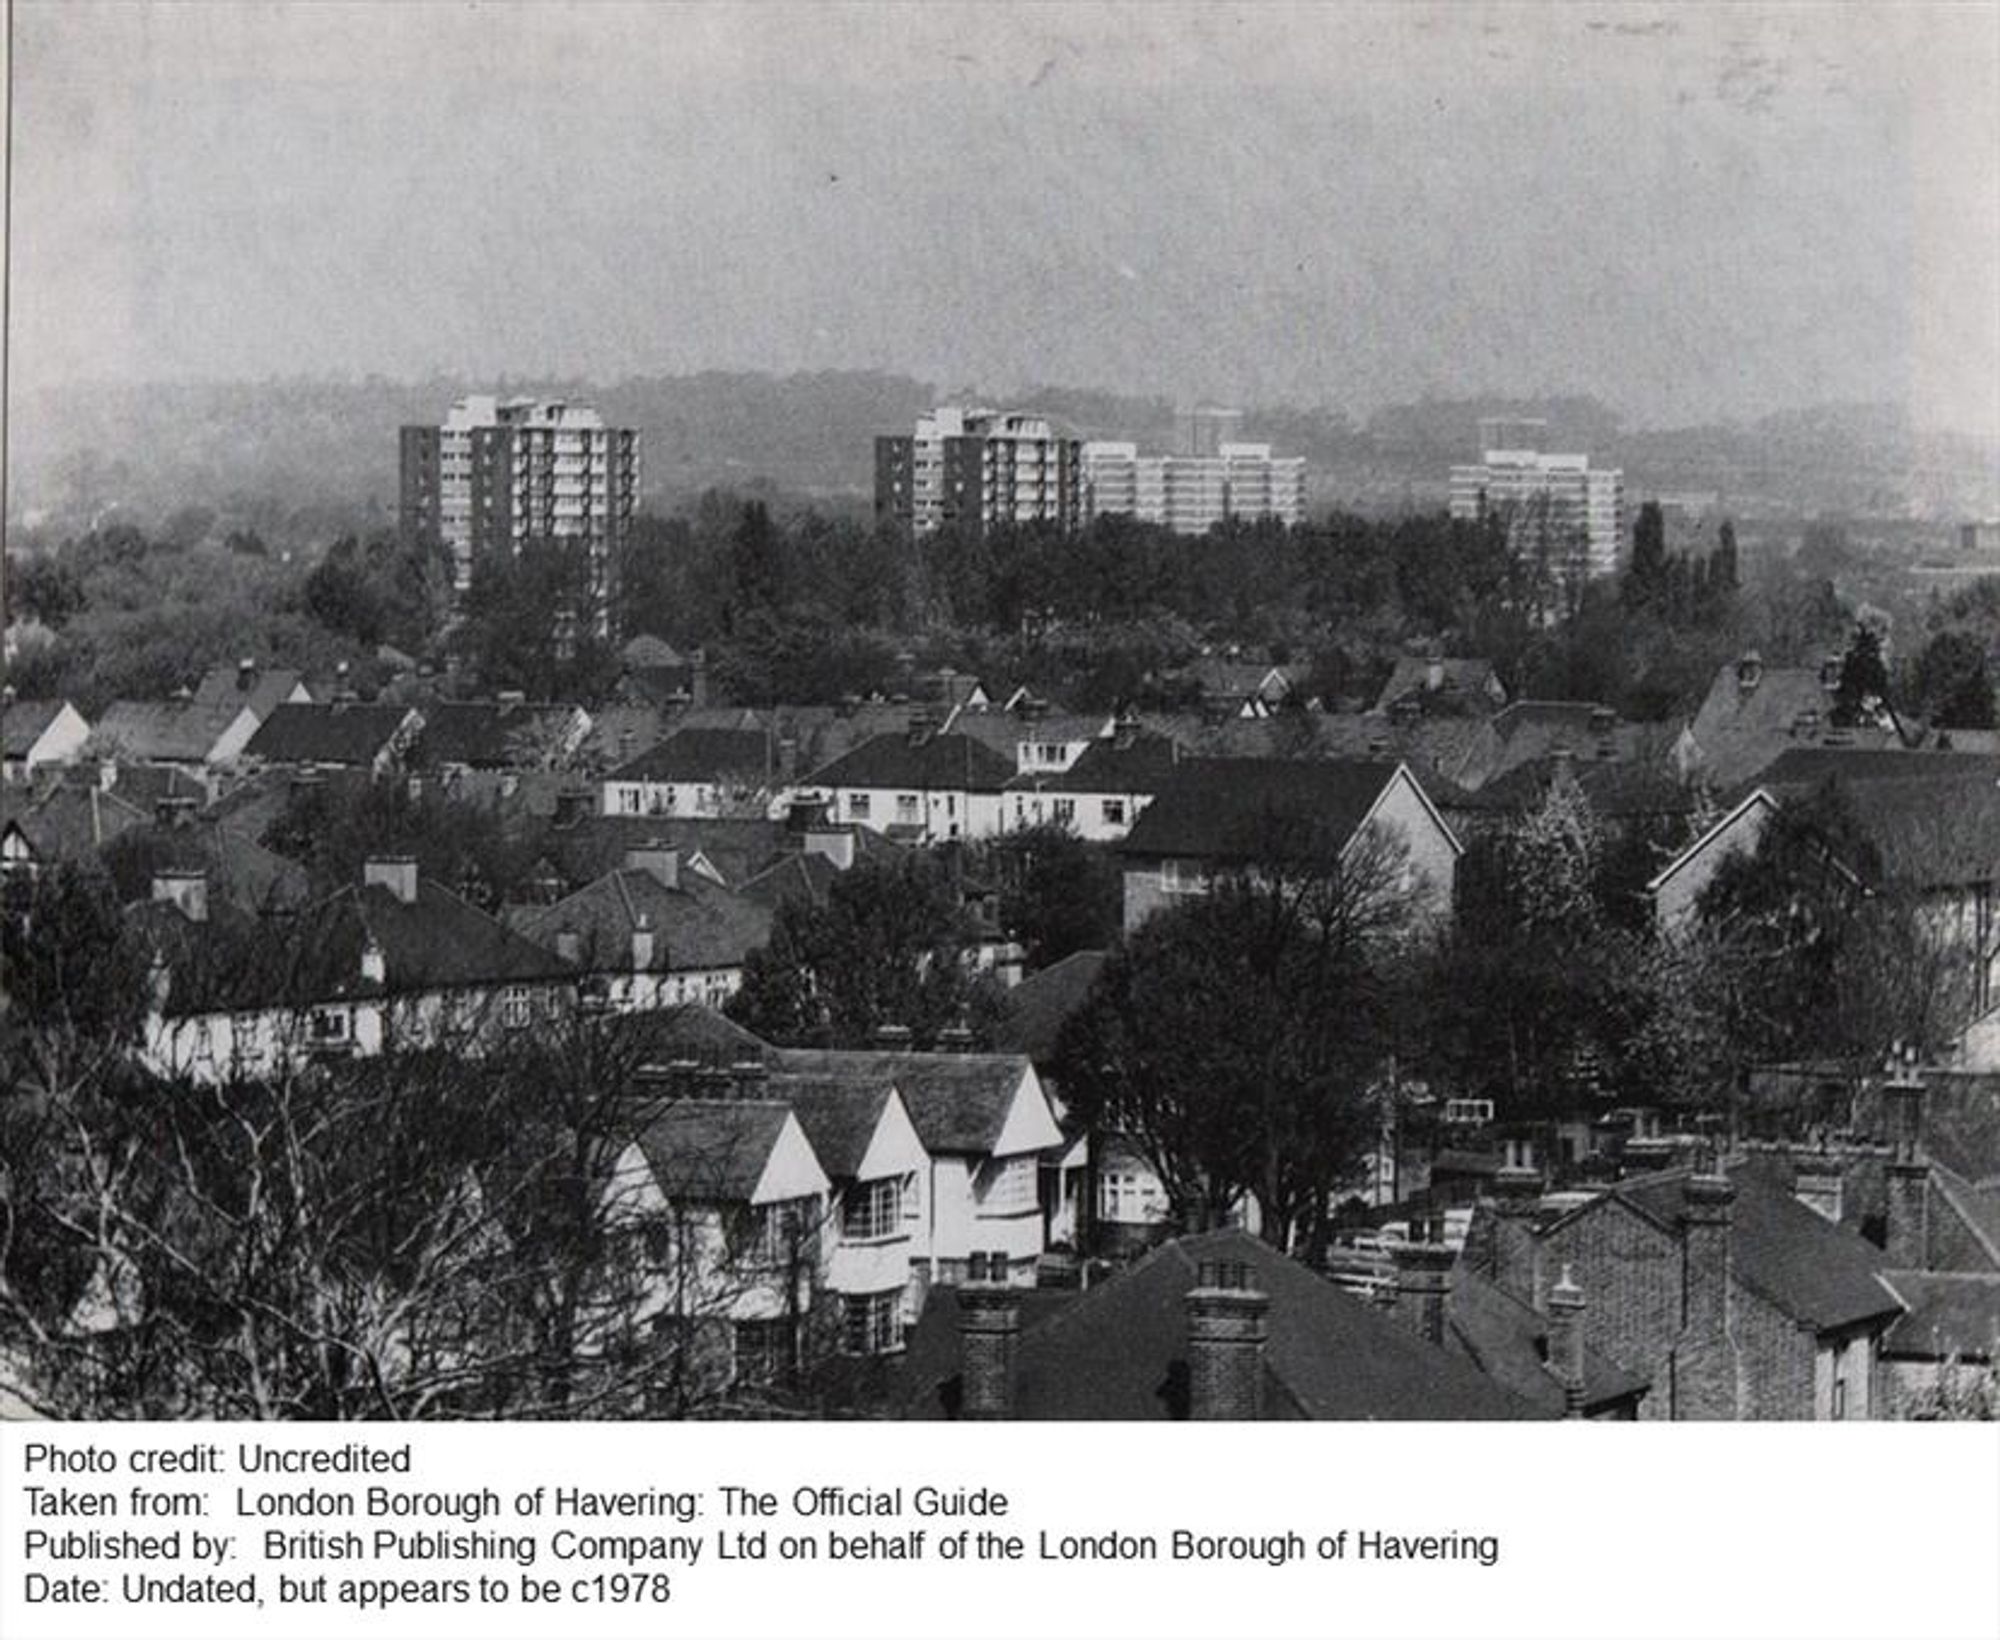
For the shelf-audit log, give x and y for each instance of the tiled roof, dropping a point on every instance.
(1947, 1314)
(1144, 765)
(1038, 1006)
(166, 731)
(1467, 686)
(1507, 1340)
(23, 722)
(1110, 1352)
(236, 865)
(437, 942)
(1799, 771)
(804, 877)
(485, 734)
(1977, 1208)
(1816, 1272)
(958, 1102)
(937, 763)
(839, 1117)
(67, 821)
(712, 1150)
(734, 756)
(697, 924)
(1237, 808)
(598, 843)
(344, 733)
(264, 689)
(1740, 731)
(1616, 789)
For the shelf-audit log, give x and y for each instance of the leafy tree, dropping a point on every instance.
(1809, 950)
(1058, 893)
(1864, 679)
(890, 946)
(528, 625)
(1237, 1040)
(45, 588)
(1951, 683)
(1646, 578)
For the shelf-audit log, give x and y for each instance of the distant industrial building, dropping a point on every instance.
(499, 474)
(1190, 494)
(975, 469)
(1582, 506)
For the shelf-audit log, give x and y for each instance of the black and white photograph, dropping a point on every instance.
(1110, 712)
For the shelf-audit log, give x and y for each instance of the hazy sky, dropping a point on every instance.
(1690, 211)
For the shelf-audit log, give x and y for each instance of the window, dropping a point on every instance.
(515, 1008)
(1114, 811)
(247, 1038)
(906, 807)
(872, 1323)
(1063, 810)
(765, 1350)
(872, 1210)
(1009, 1185)
(857, 805)
(628, 799)
(765, 1237)
(329, 1025)
(1181, 877)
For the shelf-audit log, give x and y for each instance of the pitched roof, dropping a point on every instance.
(734, 756)
(65, 820)
(597, 843)
(1142, 765)
(1113, 1351)
(1617, 789)
(167, 731)
(235, 864)
(697, 924)
(23, 722)
(1038, 1006)
(1230, 808)
(1738, 731)
(1933, 833)
(1946, 1314)
(958, 1102)
(1815, 1272)
(436, 942)
(487, 734)
(1508, 1340)
(839, 1117)
(262, 688)
(1465, 686)
(1799, 771)
(712, 1150)
(346, 732)
(950, 762)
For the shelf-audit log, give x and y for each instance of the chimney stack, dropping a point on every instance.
(395, 872)
(989, 1323)
(1423, 1281)
(1818, 1180)
(644, 945)
(1227, 1323)
(893, 1038)
(1706, 1368)
(749, 1074)
(834, 843)
(1510, 1250)
(246, 673)
(1566, 1341)
(659, 860)
(188, 890)
(1907, 1177)
(374, 963)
